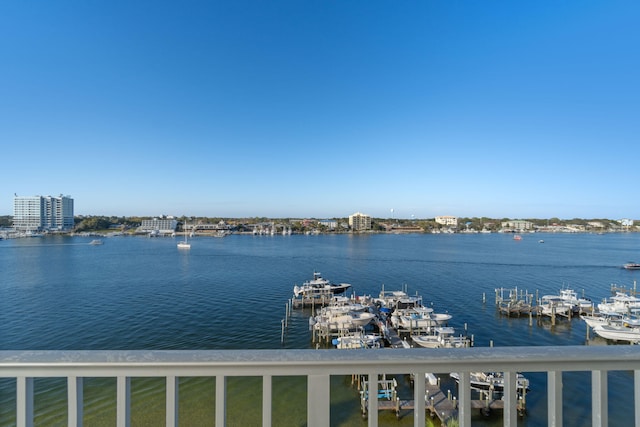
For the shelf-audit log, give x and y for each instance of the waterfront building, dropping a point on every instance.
(517, 224)
(42, 213)
(331, 224)
(450, 221)
(160, 225)
(360, 222)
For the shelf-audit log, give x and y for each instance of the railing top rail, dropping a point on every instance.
(305, 362)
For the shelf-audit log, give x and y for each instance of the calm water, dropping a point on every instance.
(230, 293)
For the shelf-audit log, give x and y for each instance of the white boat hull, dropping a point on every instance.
(618, 333)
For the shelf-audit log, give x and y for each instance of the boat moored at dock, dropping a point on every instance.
(618, 333)
(494, 381)
(319, 286)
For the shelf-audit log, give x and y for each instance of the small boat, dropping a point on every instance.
(619, 303)
(578, 304)
(185, 243)
(442, 337)
(597, 319)
(334, 321)
(358, 339)
(551, 305)
(318, 286)
(632, 266)
(618, 333)
(95, 242)
(540, 241)
(486, 381)
(517, 237)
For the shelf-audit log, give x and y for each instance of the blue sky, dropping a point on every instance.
(323, 108)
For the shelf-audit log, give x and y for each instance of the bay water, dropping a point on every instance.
(61, 293)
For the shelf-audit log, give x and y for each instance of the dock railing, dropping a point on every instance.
(318, 366)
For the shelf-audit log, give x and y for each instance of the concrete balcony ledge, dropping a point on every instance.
(295, 362)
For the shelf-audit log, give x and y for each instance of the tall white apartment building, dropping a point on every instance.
(43, 213)
(359, 222)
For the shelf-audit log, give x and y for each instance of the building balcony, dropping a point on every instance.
(23, 368)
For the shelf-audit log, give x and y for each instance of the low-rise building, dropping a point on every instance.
(450, 221)
(331, 224)
(160, 225)
(517, 225)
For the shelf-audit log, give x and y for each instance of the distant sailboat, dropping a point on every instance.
(185, 244)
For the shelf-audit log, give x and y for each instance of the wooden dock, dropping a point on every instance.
(312, 302)
(438, 403)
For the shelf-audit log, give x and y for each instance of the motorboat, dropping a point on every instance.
(95, 242)
(398, 299)
(618, 333)
(492, 381)
(418, 318)
(613, 319)
(441, 337)
(597, 319)
(412, 318)
(578, 304)
(357, 339)
(551, 305)
(632, 266)
(319, 286)
(337, 320)
(619, 303)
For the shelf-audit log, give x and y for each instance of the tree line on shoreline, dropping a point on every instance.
(96, 223)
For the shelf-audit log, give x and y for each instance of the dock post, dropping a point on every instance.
(286, 308)
(530, 318)
(282, 333)
(553, 315)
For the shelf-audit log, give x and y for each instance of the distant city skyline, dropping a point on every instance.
(322, 109)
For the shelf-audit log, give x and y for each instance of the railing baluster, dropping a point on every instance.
(318, 402)
(599, 401)
(636, 396)
(554, 398)
(221, 400)
(419, 392)
(172, 401)
(24, 401)
(75, 400)
(123, 401)
(267, 400)
(372, 389)
(510, 399)
(464, 400)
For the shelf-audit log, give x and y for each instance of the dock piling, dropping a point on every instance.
(282, 333)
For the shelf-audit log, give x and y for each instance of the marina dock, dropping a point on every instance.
(391, 333)
(439, 404)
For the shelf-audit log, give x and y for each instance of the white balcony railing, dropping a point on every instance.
(317, 366)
